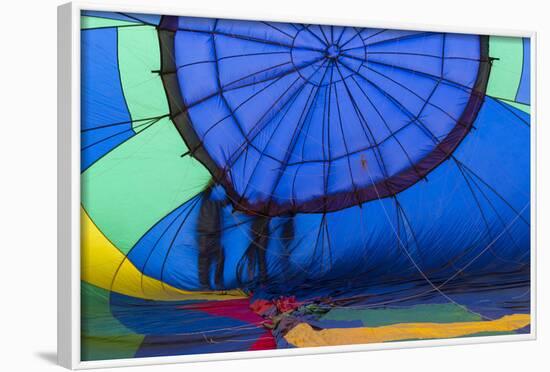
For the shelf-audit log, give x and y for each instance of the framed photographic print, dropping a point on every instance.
(236, 186)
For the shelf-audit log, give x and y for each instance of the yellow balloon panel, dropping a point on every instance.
(103, 265)
(303, 335)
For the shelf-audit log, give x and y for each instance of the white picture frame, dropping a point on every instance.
(69, 184)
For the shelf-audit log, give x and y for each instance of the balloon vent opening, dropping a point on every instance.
(333, 51)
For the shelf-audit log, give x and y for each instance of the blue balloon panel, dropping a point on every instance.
(306, 118)
(106, 122)
(524, 90)
(472, 216)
